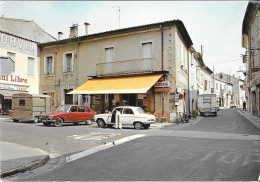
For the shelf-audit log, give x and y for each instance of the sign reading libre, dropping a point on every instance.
(13, 78)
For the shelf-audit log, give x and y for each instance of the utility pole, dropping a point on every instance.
(213, 80)
(118, 9)
(201, 50)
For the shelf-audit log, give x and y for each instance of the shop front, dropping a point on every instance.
(8, 87)
(107, 93)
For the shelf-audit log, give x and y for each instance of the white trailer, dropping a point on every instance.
(207, 104)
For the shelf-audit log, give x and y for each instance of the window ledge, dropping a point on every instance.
(50, 75)
(70, 73)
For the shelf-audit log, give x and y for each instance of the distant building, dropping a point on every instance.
(19, 58)
(251, 41)
(238, 90)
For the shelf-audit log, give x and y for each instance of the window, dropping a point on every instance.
(83, 109)
(11, 55)
(68, 60)
(21, 102)
(147, 50)
(128, 111)
(48, 65)
(30, 66)
(205, 84)
(109, 54)
(73, 109)
(182, 56)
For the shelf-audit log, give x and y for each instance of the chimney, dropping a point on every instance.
(74, 31)
(59, 35)
(86, 28)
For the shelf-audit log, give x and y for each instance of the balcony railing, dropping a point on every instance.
(135, 66)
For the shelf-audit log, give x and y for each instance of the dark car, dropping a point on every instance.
(68, 114)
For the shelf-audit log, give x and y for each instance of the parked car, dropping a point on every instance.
(130, 116)
(232, 105)
(68, 114)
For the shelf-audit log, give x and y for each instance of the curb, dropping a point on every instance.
(246, 117)
(28, 167)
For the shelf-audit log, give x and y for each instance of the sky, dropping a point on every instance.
(215, 26)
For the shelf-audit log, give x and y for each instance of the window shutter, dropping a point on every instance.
(45, 66)
(72, 61)
(147, 50)
(64, 63)
(52, 65)
(182, 55)
(109, 54)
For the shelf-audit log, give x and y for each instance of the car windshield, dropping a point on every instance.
(63, 108)
(140, 110)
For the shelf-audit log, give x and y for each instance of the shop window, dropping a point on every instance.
(68, 62)
(21, 102)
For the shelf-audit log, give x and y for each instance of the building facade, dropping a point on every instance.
(136, 53)
(251, 41)
(19, 58)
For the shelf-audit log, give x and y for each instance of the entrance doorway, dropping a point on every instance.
(68, 97)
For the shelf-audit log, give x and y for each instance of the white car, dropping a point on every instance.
(129, 116)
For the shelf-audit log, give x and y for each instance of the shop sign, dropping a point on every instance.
(176, 98)
(16, 42)
(13, 78)
(13, 87)
(161, 89)
(178, 89)
(162, 84)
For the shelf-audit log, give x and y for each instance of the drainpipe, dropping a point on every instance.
(77, 67)
(189, 83)
(162, 66)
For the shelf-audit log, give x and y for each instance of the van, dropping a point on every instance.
(28, 107)
(207, 104)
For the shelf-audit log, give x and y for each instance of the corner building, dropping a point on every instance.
(142, 66)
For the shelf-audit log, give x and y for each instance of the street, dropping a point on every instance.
(223, 148)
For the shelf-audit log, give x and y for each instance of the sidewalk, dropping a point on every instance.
(16, 158)
(252, 119)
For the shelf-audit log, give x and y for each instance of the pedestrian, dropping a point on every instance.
(244, 106)
(117, 119)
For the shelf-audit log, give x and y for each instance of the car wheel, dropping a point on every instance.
(15, 120)
(58, 122)
(75, 123)
(47, 124)
(36, 120)
(88, 121)
(138, 125)
(146, 126)
(101, 123)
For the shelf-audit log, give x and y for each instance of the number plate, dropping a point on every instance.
(44, 120)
